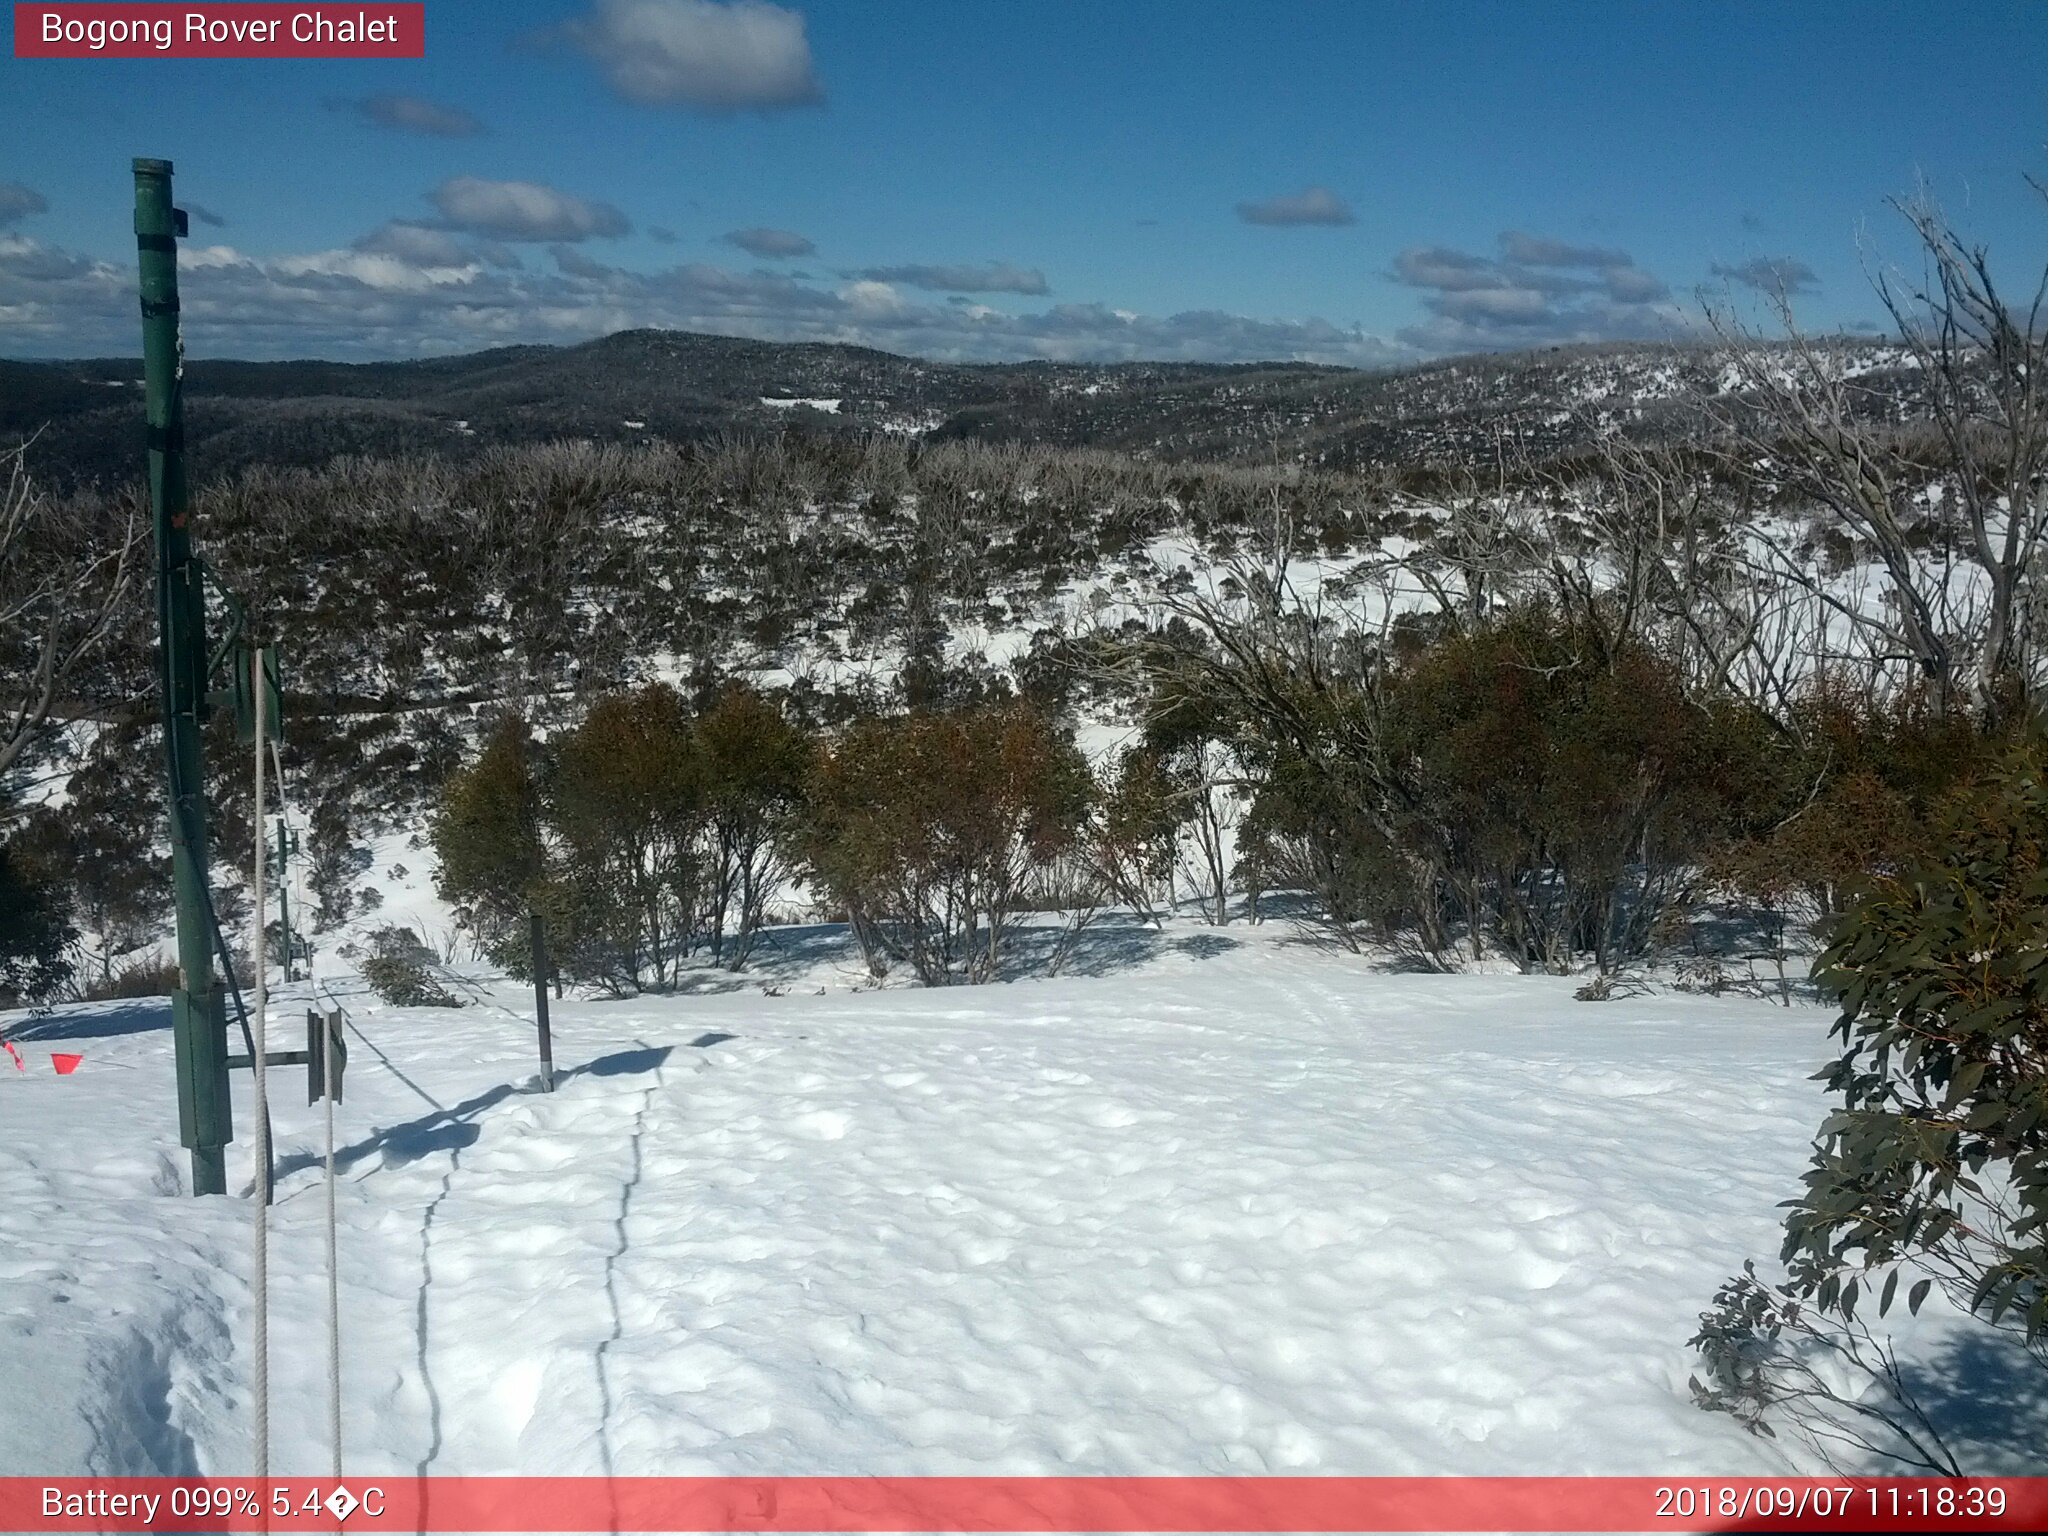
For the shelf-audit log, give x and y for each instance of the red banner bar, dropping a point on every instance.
(1024, 1504)
(216, 31)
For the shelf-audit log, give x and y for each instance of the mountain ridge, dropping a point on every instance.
(637, 384)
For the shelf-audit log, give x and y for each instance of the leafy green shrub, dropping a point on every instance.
(1938, 1157)
(397, 971)
(1935, 1166)
(1857, 788)
(1568, 786)
(1538, 780)
(1131, 842)
(1310, 831)
(1768, 1353)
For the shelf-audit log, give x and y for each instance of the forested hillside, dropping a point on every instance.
(641, 386)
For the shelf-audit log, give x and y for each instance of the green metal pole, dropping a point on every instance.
(198, 1007)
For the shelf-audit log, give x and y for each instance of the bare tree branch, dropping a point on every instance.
(65, 577)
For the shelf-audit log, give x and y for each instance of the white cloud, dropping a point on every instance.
(1537, 291)
(994, 277)
(697, 53)
(770, 244)
(1312, 205)
(201, 257)
(1632, 285)
(524, 210)
(18, 202)
(575, 264)
(1440, 267)
(1771, 274)
(376, 300)
(371, 269)
(410, 114)
(1511, 305)
(34, 262)
(873, 299)
(1542, 251)
(416, 244)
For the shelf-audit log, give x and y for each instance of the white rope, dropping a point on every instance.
(330, 1031)
(330, 1026)
(258, 961)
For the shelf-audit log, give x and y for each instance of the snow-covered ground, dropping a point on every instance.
(1221, 1202)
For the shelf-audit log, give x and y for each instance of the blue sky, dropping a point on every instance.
(1346, 182)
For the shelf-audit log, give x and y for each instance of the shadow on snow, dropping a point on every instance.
(452, 1130)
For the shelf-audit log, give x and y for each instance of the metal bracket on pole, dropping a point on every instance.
(325, 1044)
(312, 1058)
(287, 842)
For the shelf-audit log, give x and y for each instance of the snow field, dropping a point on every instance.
(1241, 1206)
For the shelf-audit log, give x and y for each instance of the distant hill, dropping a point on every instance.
(672, 384)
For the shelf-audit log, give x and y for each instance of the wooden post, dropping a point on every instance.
(541, 972)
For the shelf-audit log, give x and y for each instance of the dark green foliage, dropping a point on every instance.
(1766, 1352)
(1137, 820)
(35, 929)
(1565, 788)
(1855, 788)
(1306, 833)
(1939, 1153)
(1934, 1170)
(641, 834)
(399, 970)
(624, 801)
(335, 861)
(487, 838)
(1197, 767)
(103, 844)
(1536, 781)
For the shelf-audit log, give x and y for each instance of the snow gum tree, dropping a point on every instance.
(625, 800)
(1861, 788)
(1135, 828)
(642, 834)
(753, 765)
(101, 850)
(1955, 511)
(65, 573)
(487, 838)
(931, 828)
(35, 931)
(1538, 781)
